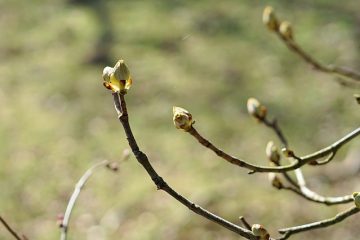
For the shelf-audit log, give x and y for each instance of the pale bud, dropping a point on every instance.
(286, 30)
(275, 180)
(269, 19)
(272, 152)
(356, 196)
(182, 118)
(118, 78)
(256, 109)
(259, 231)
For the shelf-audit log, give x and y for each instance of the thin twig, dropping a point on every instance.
(300, 187)
(245, 223)
(292, 166)
(120, 105)
(275, 127)
(339, 71)
(12, 231)
(78, 187)
(320, 224)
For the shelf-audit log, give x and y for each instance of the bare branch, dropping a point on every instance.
(78, 187)
(320, 224)
(295, 165)
(120, 105)
(12, 231)
(339, 71)
(245, 223)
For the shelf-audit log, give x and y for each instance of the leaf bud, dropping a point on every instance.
(275, 180)
(269, 19)
(182, 118)
(118, 78)
(259, 231)
(286, 30)
(356, 196)
(255, 109)
(272, 152)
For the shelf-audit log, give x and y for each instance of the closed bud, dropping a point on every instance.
(256, 109)
(118, 78)
(269, 19)
(287, 152)
(182, 118)
(272, 152)
(356, 196)
(275, 180)
(260, 232)
(286, 30)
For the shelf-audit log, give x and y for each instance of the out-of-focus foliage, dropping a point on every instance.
(209, 57)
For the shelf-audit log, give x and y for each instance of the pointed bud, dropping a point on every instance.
(256, 109)
(259, 231)
(275, 180)
(356, 196)
(272, 152)
(286, 30)
(182, 118)
(118, 78)
(269, 19)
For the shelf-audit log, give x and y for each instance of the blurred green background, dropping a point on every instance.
(206, 56)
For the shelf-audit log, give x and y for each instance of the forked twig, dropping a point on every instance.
(320, 224)
(292, 166)
(78, 187)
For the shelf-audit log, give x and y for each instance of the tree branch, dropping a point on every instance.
(78, 187)
(320, 224)
(121, 109)
(12, 231)
(295, 165)
(339, 71)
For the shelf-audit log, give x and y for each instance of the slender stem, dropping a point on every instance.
(340, 71)
(78, 187)
(7, 226)
(120, 105)
(320, 224)
(275, 126)
(245, 223)
(332, 148)
(300, 187)
(292, 166)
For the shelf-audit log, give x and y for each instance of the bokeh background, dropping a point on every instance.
(56, 118)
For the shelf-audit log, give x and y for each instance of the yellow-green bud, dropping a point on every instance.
(256, 109)
(269, 19)
(286, 30)
(272, 152)
(356, 196)
(118, 78)
(259, 231)
(182, 118)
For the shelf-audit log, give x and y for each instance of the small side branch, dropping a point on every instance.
(78, 187)
(12, 231)
(320, 224)
(292, 166)
(339, 71)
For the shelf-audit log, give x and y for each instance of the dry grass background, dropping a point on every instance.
(206, 56)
